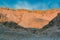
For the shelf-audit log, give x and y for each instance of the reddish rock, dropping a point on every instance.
(28, 18)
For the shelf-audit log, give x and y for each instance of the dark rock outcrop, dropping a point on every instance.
(15, 26)
(53, 27)
(54, 22)
(11, 25)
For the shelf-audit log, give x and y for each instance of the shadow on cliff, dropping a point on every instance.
(53, 28)
(14, 26)
(53, 23)
(11, 25)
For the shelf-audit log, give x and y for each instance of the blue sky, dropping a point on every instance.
(31, 4)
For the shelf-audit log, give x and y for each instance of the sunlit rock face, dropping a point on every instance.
(28, 18)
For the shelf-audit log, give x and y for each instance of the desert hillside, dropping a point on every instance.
(28, 18)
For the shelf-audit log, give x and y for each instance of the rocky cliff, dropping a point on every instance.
(28, 18)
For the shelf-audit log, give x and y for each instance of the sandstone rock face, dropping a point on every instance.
(28, 18)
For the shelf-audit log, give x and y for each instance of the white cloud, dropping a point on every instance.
(25, 5)
(29, 6)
